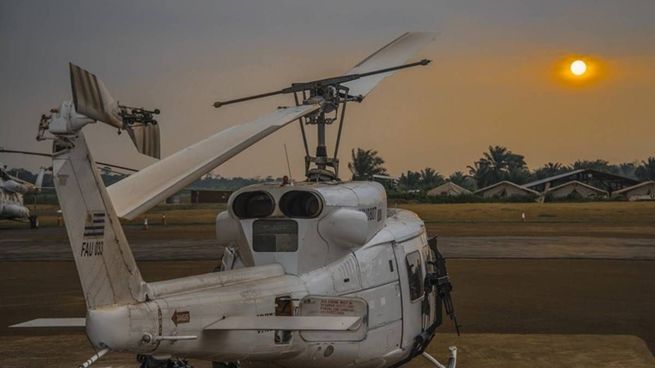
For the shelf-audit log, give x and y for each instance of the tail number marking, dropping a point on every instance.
(92, 248)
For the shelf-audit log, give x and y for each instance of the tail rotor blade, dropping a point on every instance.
(146, 139)
(91, 97)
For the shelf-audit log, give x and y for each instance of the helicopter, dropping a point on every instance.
(317, 273)
(12, 190)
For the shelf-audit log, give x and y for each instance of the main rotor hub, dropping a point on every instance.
(332, 95)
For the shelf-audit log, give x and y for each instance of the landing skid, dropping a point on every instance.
(452, 358)
(148, 361)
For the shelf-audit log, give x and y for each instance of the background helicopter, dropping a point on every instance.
(12, 189)
(320, 273)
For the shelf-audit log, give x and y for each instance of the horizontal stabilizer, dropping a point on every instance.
(52, 322)
(397, 52)
(295, 323)
(145, 189)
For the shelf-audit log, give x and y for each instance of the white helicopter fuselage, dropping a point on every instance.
(316, 274)
(349, 258)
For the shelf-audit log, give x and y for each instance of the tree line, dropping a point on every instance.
(498, 163)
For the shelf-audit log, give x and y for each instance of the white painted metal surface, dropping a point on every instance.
(322, 283)
(298, 323)
(395, 53)
(152, 185)
(107, 270)
(52, 322)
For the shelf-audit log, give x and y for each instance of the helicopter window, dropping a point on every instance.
(253, 205)
(275, 236)
(300, 204)
(415, 275)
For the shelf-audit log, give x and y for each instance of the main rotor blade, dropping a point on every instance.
(397, 52)
(145, 189)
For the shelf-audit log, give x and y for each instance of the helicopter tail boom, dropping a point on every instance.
(106, 267)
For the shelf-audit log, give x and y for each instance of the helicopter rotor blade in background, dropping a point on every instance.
(396, 52)
(152, 185)
(30, 153)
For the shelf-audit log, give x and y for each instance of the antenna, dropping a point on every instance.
(286, 154)
(332, 95)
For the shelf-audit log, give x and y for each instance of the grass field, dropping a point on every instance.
(601, 219)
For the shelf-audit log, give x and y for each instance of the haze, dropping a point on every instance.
(492, 81)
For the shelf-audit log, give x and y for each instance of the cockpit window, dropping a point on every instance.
(253, 205)
(275, 236)
(415, 275)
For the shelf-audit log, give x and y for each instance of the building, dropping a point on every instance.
(506, 189)
(210, 196)
(603, 180)
(575, 189)
(448, 189)
(639, 192)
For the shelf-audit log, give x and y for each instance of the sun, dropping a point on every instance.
(578, 68)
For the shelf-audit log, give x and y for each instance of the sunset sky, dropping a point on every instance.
(496, 76)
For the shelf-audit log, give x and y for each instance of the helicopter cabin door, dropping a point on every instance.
(411, 272)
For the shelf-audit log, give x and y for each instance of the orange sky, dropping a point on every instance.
(494, 79)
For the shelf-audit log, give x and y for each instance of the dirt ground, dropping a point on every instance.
(570, 287)
(474, 350)
(572, 311)
(196, 242)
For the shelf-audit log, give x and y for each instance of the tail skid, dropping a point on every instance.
(105, 264)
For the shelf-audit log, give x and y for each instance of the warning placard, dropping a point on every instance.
(332, 306)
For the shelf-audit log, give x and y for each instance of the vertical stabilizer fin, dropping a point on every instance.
(105, 264)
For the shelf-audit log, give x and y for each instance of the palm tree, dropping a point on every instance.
(646, 171)
(365, 164)
(462, 180)
(430, 178)
(498, 164)
(550, 169)
(628, 169)
(599, 165)
(410, 180)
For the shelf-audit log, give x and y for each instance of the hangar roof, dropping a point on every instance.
(625, 190)
(615, 181)
(575, 182)
(505, 182)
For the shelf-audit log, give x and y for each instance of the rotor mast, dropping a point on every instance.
(332, 96)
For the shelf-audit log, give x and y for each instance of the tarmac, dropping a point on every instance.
(522, 301)
(164, 243)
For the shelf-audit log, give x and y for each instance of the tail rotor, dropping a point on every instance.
(92, 99)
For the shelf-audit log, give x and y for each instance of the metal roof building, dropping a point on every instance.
(603, 180)
(506, 189)
(448, 189)
(575, 189)
(641, 191)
